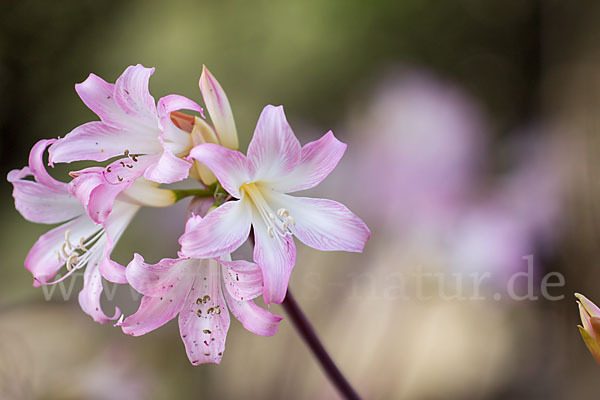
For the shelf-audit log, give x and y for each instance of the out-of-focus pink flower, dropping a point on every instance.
(422, 145)
(76, 244)
(489, 238)
(201, 292)
(432, 141)
(276, 164)
(133, 127)
(590, 331)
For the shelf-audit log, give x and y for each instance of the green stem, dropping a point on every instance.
(183, 193)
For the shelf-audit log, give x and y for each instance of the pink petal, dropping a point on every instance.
(231, 167)
(221, 232)
(40, 203)
(158, 279)
(318, 159)
(254, 318)
(44, 200)
(133, 97)
(156, 311)
(97, 94)
(204, 320)
(174, 139)
(219, 109)
(97, 141)
(242, 279)
(43, 261)
(274, 150)
(129, 120)
(276, 257)
(324, 224)
(37, 167)
(111, 270)
(168, 169)
(116, 223)
(98, 188)
(175, 102)
(89, 297)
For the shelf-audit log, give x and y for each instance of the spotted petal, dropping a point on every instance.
(242, 279)
(163, 305)
(204, 320)
(157, 279)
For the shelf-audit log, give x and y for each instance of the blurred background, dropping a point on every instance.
(473, 132)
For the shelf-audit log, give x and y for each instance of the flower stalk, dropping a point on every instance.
(311, 339)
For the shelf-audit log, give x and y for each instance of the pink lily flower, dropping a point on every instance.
(78, 243)
(201, 292)
(276, 164)
(133, 127)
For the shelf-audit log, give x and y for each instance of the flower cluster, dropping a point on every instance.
(141, 144)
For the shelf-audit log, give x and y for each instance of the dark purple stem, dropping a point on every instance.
(310, 338)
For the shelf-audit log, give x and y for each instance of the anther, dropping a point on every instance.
(82, 245)
(72, 261)
(270, 231)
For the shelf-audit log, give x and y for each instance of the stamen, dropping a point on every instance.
(68, 240)
(279, 225)
(77, 257)
(72, 261)
(62, 249)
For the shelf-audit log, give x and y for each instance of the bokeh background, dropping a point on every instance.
(473, 131)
